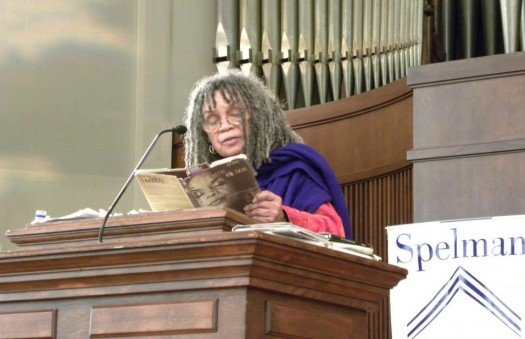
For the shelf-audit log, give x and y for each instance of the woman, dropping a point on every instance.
(231, 113)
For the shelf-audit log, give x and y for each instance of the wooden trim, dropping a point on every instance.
(349, 107)
(371, 173)
(461, 151)
(467, 70)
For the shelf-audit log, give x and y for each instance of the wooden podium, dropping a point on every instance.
(183, 274)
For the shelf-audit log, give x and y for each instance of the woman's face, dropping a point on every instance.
(216, 192)
(223, 123)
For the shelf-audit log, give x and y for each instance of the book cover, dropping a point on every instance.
(228, 182)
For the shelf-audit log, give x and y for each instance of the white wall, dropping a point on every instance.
(84, 87)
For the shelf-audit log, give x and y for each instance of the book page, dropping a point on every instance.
(230, 184)
(164, 192)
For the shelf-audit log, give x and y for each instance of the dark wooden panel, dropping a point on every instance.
(378, 202)
(154, 319)
(281, 321)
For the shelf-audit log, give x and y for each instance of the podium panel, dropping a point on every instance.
(154, 278)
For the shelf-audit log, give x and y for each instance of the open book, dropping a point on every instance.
(322, 239)
(229, 182)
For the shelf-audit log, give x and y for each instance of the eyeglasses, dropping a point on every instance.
(213, 122)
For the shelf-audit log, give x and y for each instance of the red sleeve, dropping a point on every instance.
(324, 219)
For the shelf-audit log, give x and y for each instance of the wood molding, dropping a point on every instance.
(472, 150)
(467, 70)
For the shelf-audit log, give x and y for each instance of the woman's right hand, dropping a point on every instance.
(266, 207)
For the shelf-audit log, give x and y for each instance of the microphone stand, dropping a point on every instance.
(178, 129)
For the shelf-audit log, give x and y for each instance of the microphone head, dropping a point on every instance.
(181, 129)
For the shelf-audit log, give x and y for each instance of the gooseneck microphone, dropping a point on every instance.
(179, 130)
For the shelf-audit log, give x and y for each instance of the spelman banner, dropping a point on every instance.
(466, 279)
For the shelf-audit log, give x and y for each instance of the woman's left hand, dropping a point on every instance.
(265, 207)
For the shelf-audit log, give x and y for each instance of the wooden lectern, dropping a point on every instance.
(183, 274)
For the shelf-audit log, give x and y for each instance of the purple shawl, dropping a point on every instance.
(304, 180)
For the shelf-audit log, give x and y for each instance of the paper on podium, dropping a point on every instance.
(84, 213)
(290, 230)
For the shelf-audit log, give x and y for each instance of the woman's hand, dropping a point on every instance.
(265, 207)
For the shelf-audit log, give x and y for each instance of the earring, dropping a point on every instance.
(211, 150)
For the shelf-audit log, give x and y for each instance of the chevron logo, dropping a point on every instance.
(463, 281)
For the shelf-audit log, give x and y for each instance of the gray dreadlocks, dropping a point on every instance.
(267, 129)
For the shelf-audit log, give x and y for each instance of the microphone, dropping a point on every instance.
(181, 129)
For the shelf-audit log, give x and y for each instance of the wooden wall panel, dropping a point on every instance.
(469, 138)
(377, 202)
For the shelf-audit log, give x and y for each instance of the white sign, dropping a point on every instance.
(466, 279)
